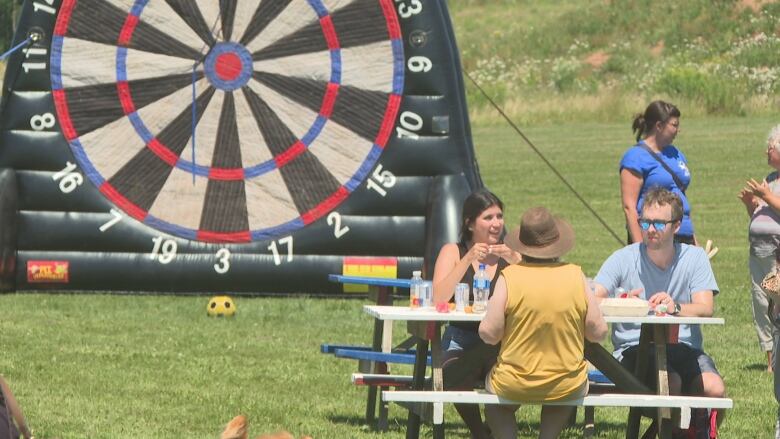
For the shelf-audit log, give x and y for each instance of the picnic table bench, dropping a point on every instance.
(438, 399)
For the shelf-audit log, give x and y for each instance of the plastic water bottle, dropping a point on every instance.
(415, 290)
(481, 289)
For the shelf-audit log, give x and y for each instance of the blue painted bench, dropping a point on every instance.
(381, 357)
(327, 348)
(382, 282)
(366, 353)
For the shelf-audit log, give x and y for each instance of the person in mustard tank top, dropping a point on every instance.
(542, 311)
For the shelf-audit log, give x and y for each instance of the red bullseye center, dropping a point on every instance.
(228, 66)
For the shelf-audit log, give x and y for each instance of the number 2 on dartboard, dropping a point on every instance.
(334, 219)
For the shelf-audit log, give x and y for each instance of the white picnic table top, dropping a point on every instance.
(429, 314)
(419, 314)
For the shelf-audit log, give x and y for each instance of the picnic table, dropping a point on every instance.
(425, 326)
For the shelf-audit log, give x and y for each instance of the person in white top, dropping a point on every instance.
(762, 201)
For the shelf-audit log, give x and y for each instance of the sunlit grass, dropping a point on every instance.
(106, 366)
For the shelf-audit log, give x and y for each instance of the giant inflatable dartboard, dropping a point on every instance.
(245, 145)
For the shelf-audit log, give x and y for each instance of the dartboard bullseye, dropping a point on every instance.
(227, 121)
(228, 66)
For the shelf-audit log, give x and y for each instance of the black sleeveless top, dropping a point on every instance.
(468, 279)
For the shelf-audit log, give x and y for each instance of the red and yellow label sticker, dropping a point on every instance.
(367, 266)
(47, 271)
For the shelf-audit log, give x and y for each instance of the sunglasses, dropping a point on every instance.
(659, 225)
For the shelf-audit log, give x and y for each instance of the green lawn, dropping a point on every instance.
(114, 366)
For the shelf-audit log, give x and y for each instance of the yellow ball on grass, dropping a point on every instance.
(221, 306)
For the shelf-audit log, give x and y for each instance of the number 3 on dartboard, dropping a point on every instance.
(223, 255)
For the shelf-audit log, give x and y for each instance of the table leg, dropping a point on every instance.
(383, 331)
(376, 345)
(418, 381)
(589, 422)
(436, 372)
(640, 372)
(664, 415)
(438, 431)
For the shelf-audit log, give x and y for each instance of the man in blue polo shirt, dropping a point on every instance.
(672, 275)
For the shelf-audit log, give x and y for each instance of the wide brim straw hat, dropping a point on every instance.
(541, 235)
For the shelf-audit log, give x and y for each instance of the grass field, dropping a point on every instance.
(107, 366)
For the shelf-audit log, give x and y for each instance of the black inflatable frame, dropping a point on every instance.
(41, 226)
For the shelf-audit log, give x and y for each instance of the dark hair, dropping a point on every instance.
(657, 111)
(473, 206)
(659, 196)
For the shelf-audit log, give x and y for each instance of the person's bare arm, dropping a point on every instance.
(595, 325)
(762, 191)
(630, 185)
(505, 253)
(749, 200)
(599, 291)
(702, 303)
(491, 329)
(450, 268)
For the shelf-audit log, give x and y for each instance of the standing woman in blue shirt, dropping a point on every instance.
(655, 161)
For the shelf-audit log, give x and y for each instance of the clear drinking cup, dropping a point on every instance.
(461, 297)
(426, 294)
